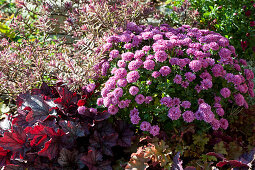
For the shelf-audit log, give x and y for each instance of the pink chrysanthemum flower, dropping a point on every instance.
(154, 130)
(133, 90)
(161, 56)
(188, 116)
(133, 76)
(149, 64)
(174, 113)
(225, 92)
(113, 109)
(165, 70)
(195, 65)
(145, 126)
(139, 99)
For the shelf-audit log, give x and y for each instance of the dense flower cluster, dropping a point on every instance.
(199, 62)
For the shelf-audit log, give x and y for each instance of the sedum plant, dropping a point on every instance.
(156, 76)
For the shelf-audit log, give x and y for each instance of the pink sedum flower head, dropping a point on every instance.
(145, 126)
(154, 130)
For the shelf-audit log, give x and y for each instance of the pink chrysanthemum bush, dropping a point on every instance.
(163, 76)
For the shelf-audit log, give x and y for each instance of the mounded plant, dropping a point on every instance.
(164, 77)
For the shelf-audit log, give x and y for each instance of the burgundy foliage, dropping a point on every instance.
(49, 133)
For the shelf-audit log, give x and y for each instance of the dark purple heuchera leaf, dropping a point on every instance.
(20, 121)
(177, 163)
(94, 161)
(40, 109)
(53, 146)
(38, 134)
(46, 90)
(104, 128)
(73, 129)
(4, 156)
(125, 133)
(68, 158)
(103, 143)
(67, 101)
(232, 163)
(14, 141)
(217, 155)
(91, 118)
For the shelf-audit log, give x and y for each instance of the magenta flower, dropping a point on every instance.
(133, 76)
(186, 104)
(215, 124)
(224, 123)
(145, 126)
(113, 109)
(149, 64)
(220, 111)
(133, 90)
(122, 82)
(154, 130)
(135, 119)
(139, 99)
(178, 79)
(165, 70)
(188, 116)
(161, 56)
(128, 56)
(174, 113)
(155, 74)
(81, 110)
(195, 65)
(225, 92)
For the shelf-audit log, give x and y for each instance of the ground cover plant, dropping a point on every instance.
(96, 87)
